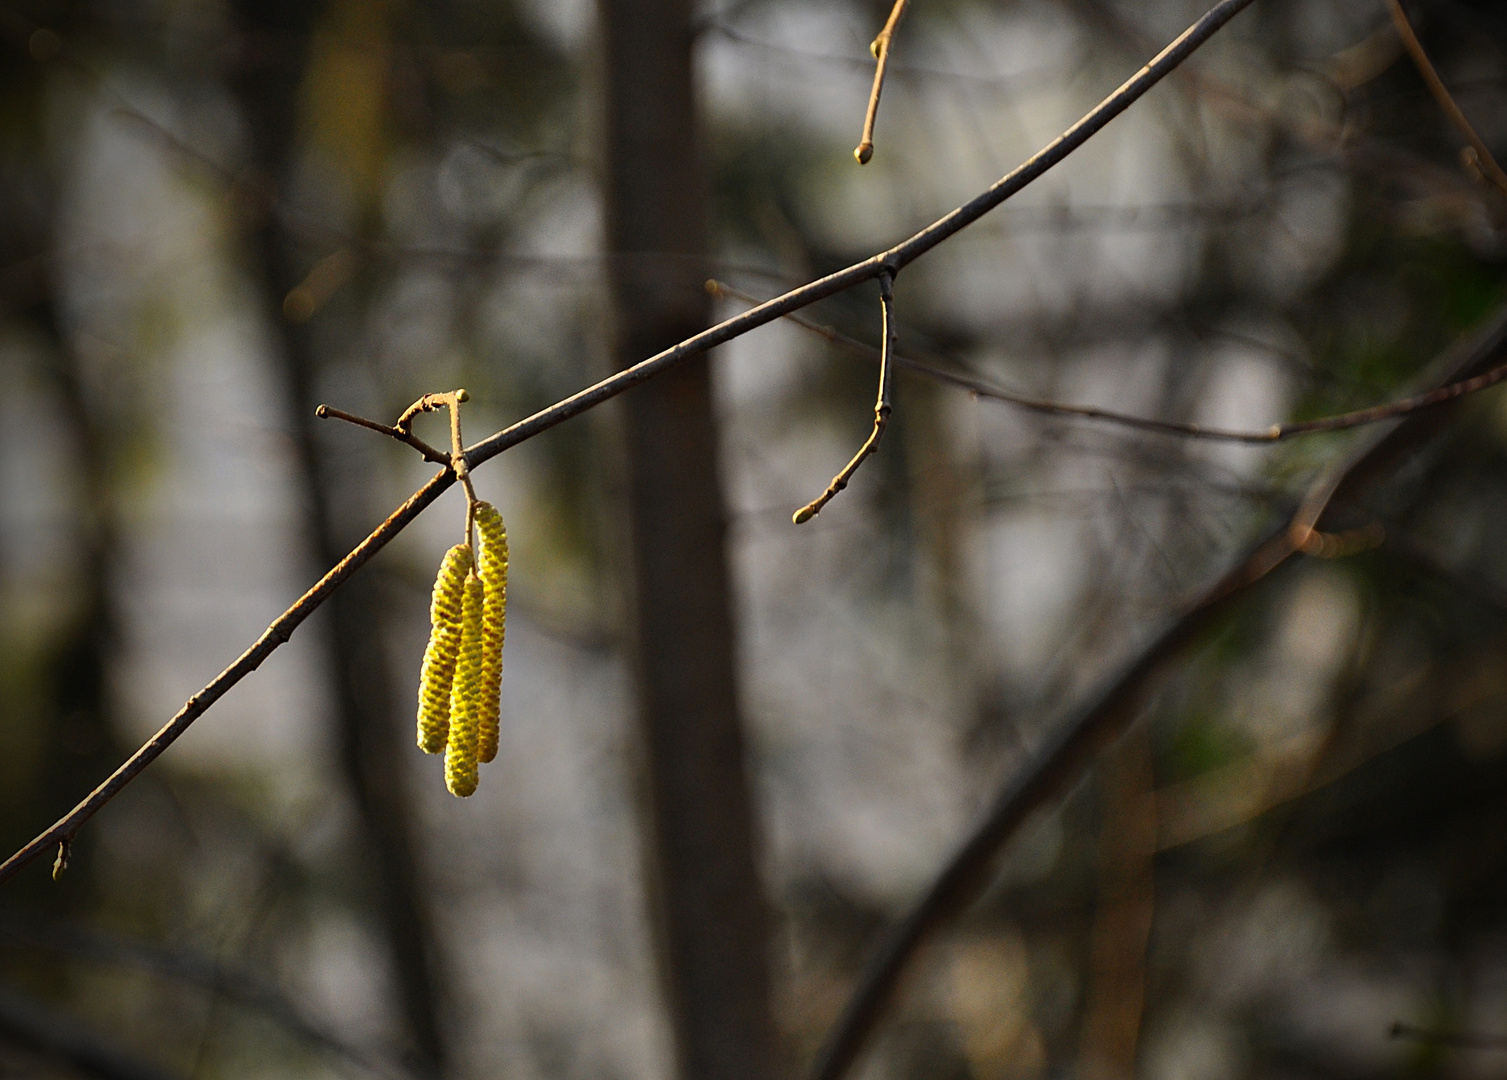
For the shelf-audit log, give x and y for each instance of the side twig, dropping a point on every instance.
(881, 50)
(1477, 158)
(974, 384)
(1071, 748)
(429, 453)
(881, 406)
(891, 261)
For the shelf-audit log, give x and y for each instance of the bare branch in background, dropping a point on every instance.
(1477, 157)
(888, 262)
(881, 50)
(1276, 433)
(1071, 748)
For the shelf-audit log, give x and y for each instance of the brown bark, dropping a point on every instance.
(709, 909)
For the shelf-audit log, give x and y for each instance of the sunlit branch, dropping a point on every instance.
(881, 406)
(881, 50)
(326, 412)
(888, 262)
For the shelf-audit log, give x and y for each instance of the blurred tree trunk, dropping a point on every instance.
(275, 56)
(710, 917)
(68, 677)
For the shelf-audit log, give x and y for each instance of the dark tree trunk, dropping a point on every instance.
(709, 911)
(369, 719)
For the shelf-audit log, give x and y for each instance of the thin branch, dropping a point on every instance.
(881, 406)
(890, 262)
(1477, 157)
(881, 50)
(325, 412)
(1070, 749)
(1273, 434)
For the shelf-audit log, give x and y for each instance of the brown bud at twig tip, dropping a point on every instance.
(713, 286)
(803, 515)
(322, 412)
(863, 152)
(462, 395)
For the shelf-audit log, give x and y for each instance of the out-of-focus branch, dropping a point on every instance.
(887, 262)
(185, 966)
(1072, 746)
(1478, 159)
(881, 50)
(1275, 433)
(26, 1023)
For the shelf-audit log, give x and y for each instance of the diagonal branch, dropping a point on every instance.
(881, 50)
(1478, 158)
(889, 262)
(1071, 748)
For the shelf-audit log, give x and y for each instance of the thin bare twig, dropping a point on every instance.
(881, 50)
(881, 406)
(1273, 434)
(429, 453)
(1073, 745)
(891, 261)
(1477, 157)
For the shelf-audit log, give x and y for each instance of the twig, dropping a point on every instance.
(1273, 434)
(1072, 746)
(881, 50)
(325, 412)
(66, 827)
(1477, 157)
(881, 406)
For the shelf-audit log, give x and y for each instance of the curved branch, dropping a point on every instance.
(1481, 161)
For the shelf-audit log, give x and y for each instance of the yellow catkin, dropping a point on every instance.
(466, 694)
(494, 574)
(444, 644)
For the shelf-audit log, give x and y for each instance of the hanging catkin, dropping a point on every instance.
(466, 694)
(438, 671)
(494, 574)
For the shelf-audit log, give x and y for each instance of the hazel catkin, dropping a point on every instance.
(440, 655)
(466, 693)
(494, 575)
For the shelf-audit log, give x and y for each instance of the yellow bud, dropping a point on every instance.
(444, 644)
(494, 573)
(466, 694)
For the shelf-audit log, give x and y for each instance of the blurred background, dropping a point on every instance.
(215, 214)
